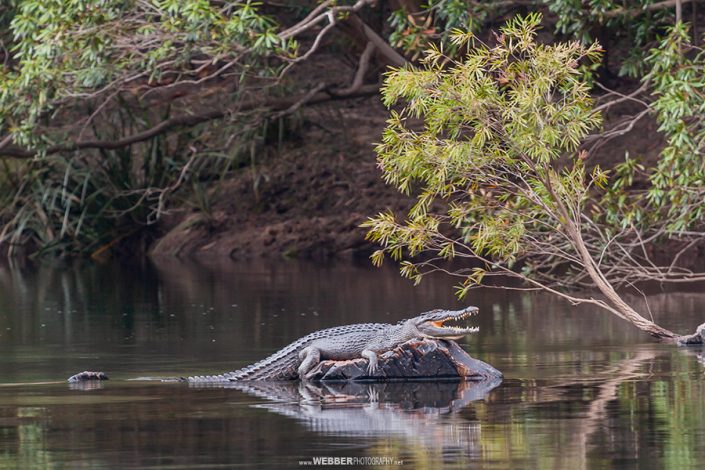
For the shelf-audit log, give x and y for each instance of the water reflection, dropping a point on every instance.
(413, 411)
(86, 386)
(582, 389)
(698, 352)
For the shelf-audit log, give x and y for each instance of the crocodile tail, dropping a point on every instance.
(221, 378)
(282, 365)
(283, 368)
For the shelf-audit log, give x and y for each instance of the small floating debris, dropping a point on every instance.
(88, 375)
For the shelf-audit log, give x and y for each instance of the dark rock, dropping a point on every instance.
(87, 375)
(424, 359)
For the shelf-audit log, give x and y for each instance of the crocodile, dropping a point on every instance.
(366, 340)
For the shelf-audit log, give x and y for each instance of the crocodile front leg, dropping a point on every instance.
(371, 357)
(310, 357)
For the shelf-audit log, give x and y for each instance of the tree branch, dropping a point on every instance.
(638, 11)
(363, 66)
(275, 105)
(363, 33)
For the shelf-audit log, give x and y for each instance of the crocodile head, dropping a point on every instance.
(432, 324)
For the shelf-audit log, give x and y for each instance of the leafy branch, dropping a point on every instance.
(498, 175)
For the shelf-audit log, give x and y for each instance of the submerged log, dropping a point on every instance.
(419, 359)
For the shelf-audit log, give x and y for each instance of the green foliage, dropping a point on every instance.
(70, 204)
(667, 197)
(414, 33)
(83, 70)
(678, 81)
(65, 50)
(633, 24)
(620, 207)
(494, 125)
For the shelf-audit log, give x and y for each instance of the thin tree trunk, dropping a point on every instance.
(627, 312)
(679, 11)
(617, 305)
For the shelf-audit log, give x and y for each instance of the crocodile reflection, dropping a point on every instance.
(698, 352)
(426, 413)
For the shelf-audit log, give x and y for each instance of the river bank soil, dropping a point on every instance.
(305, 199)
(306, 196)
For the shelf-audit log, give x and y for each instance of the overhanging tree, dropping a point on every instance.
(499, 176)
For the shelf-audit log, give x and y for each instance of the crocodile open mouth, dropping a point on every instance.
(454, 323)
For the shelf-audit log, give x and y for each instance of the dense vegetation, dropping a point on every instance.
(114, 112)
(104, 107)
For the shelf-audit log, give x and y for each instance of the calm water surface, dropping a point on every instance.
(581, 389)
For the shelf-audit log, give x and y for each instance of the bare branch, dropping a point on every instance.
(363, 66)
(392, 57)
(622, 97)
(302, 101)
(278, 104)
(647, 8)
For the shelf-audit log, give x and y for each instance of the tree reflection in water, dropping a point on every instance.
(582, 390)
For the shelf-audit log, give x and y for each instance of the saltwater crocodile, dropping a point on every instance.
(365, 340)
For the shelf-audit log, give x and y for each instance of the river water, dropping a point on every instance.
(581, 388)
